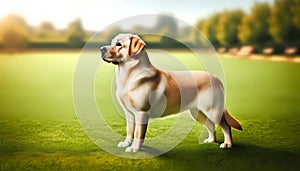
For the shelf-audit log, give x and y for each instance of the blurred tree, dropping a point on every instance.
(208, 28)
(139, 29)
(254, 27)
(76, 34)
(296, 13)
(14, 32)
(112, 32)
(188, 35)
(245, 30)
(166, 25)
(227, 28)
(282, 24)
(45, 30)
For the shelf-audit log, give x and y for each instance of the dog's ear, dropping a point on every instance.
(136, 45)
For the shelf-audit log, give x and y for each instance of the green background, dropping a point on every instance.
(39, 128)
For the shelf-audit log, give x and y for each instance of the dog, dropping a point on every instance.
(145, 91)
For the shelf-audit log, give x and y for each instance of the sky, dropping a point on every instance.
(97, 14)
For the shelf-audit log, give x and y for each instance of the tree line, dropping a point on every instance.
(265, 25)
(276, 25)
(15, 33)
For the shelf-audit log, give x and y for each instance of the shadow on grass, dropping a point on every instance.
(241, 157)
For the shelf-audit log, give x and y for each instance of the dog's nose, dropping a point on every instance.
(103, 50)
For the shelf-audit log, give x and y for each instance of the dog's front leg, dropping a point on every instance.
(141, 122)
(130, 126)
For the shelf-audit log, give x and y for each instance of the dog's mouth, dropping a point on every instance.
(115, 62)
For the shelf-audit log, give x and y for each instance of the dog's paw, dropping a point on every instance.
(124, 144)
(226, 145)
(209, 140)
(131, 150)
(135, 146)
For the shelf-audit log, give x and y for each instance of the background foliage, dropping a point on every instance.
(276, 24)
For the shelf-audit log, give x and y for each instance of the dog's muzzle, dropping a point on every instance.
(103, 51)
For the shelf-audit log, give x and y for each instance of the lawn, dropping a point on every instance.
(39, 129)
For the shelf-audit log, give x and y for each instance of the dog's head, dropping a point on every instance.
(122, 49)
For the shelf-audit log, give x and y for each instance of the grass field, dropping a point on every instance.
(39, 129)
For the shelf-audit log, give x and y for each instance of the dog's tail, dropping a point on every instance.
(232, 121)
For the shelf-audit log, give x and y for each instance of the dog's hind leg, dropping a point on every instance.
(226, 129)
(210, 126)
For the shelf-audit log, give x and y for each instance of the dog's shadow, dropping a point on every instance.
(240, 157)
(151, 150)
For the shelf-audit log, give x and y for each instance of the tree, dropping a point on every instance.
(296, 13)
(112, 32)
(245, 32)
(208, 28)
(227, 28)
(14, 32)
(189, 36)
(76, 34)
(282, 24)
(45, 30)
(254, 27)
(166, 25)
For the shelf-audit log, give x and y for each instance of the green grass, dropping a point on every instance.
(39, 129)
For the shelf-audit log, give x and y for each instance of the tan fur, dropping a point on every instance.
(232, 121)
(144, 91)
(136, 45)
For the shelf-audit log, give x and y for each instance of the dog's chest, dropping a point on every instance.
(136, 99)
(134, 92)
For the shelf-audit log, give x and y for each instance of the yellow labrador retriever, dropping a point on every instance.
(144, 91)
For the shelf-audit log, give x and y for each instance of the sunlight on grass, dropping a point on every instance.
(39, 129)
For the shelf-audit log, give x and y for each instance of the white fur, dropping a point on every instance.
(140, 85)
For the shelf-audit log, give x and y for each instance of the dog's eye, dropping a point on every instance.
(118, 44)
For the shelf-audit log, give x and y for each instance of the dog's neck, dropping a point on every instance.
(138, 63)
